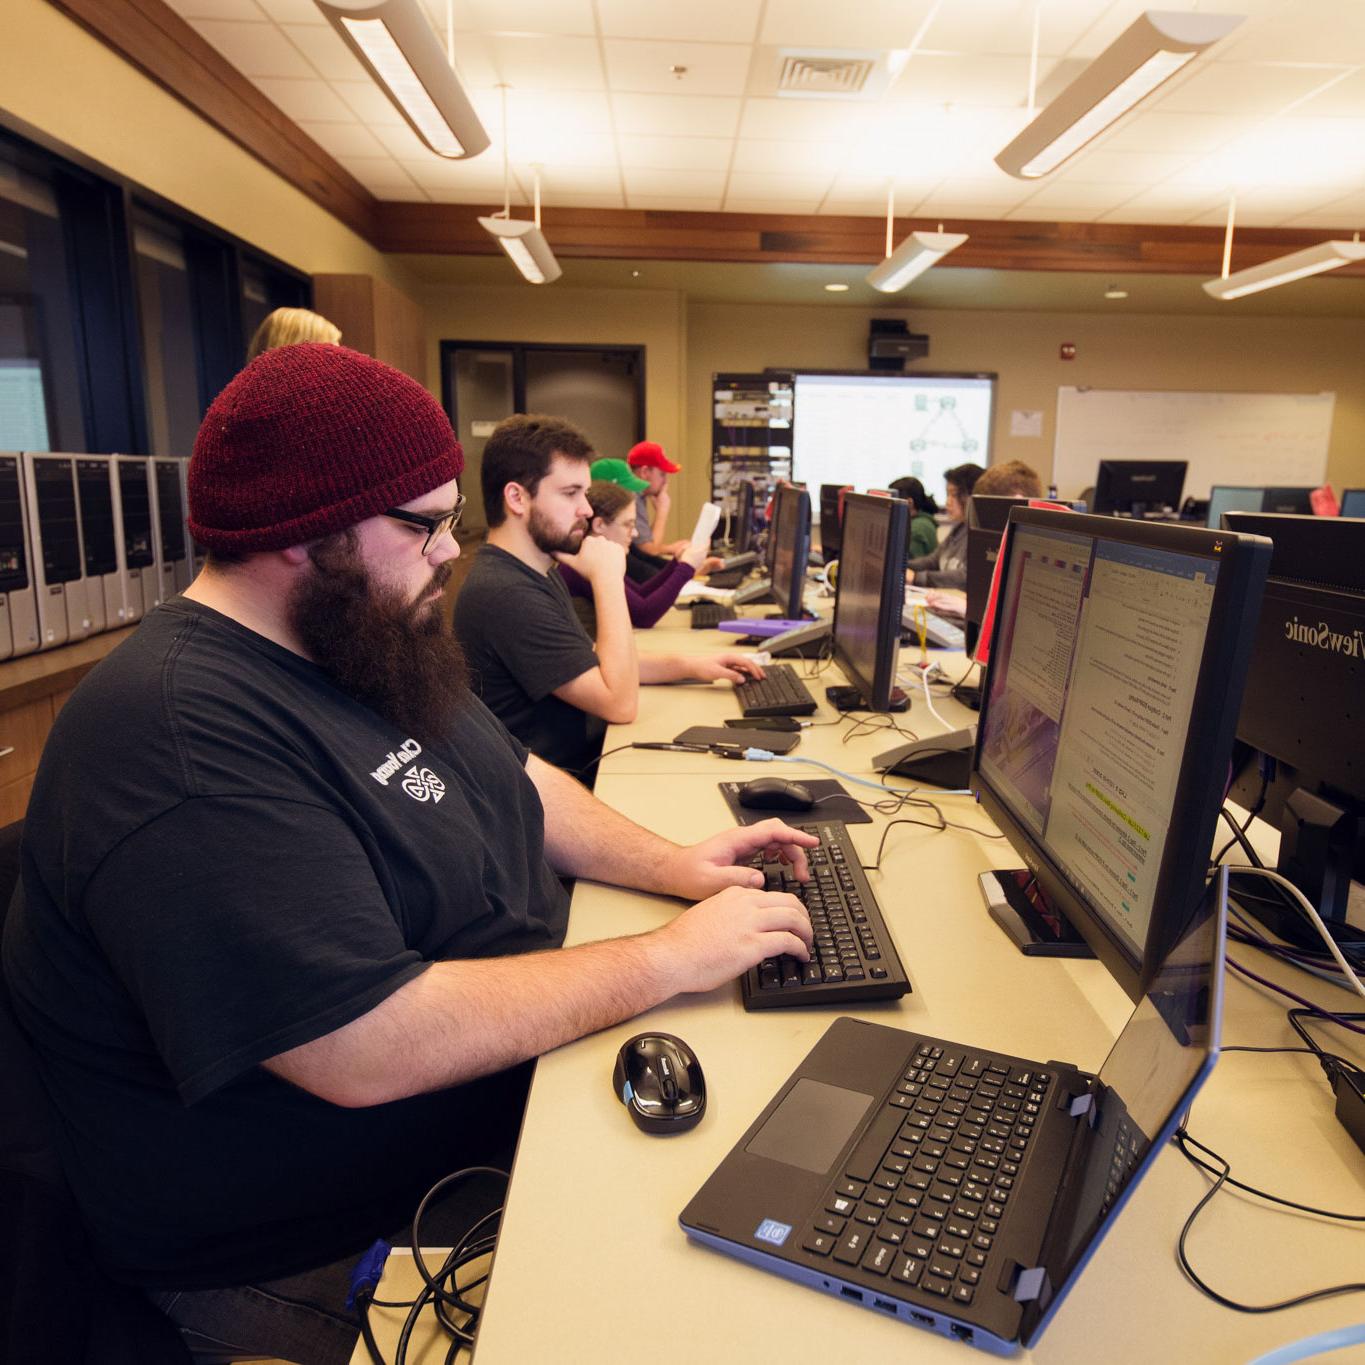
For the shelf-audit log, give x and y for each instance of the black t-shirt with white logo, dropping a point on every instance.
(226, 857)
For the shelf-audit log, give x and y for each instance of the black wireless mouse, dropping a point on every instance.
(659, 1081)
(773, 793)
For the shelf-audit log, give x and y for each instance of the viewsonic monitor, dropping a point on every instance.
(1353, 502)
(1301, 756)
(1107, 723)
(867, 607)
(790, 546)
(18, 606)
(1136, 488)
(1230, 498)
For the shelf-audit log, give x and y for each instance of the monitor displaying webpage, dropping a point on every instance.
(869, 430)
(1099, 651)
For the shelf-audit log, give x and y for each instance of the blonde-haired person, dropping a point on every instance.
(288, 327)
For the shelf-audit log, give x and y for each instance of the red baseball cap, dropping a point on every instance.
(650, 455)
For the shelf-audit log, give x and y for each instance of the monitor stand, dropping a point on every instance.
(1020, 907)
(851, 699)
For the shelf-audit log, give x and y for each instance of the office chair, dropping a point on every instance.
(56, 1306)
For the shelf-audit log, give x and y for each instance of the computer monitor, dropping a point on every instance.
(831, 517)
(1301, 756)
(1107, 722)
(1294, 501)
(1134, 488)
(742, 533)
(790, 545)
(867, 606)
(1353, 502)
(1229, 498)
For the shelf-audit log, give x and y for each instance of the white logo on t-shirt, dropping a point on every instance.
(405, 753)
(423, 785)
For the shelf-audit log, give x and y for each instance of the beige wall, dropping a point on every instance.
(1265, 355)
(58, 78)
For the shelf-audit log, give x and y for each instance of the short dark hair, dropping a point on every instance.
(520, 450)
(963, 477)
(607, 499)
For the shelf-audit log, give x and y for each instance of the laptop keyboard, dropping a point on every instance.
(921, 1198)
(853, 957)
(708, 615)
(780, 693)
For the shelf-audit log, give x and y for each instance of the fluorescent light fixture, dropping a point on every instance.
(526, 246)
(396, 44)
(1151, 50)
(1297, 265)
(913, 257)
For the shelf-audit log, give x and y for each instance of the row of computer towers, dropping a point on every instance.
(88, 543)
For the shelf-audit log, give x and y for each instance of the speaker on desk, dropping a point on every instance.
(58, 559)
(18, 603)
(130, 483)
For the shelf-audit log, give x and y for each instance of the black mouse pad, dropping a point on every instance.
(832, 802)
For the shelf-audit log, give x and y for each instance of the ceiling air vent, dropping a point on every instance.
(834, 75)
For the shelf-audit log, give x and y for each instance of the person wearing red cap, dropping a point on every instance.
(648, 461)
(290, 910)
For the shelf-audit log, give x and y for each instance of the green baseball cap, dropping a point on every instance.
(618, 471)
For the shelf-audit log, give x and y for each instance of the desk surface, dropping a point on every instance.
(591, 1256)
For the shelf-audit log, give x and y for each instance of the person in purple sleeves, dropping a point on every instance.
(613, 518)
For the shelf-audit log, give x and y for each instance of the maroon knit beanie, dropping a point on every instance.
(311, 439)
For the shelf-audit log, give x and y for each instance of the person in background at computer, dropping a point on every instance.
(641, 567)
(288, 327)
(613, 517)
(946, 565)
(291, 916)
(923, 534)
(532, 662)
(1013, 479)
(647, 461)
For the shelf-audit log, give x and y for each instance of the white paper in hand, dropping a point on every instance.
(707, 521)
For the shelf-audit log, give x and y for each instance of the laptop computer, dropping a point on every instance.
(959, 1189)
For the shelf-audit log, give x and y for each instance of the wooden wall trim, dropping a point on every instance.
(154, 38)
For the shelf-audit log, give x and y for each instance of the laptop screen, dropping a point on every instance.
(1146, 1081)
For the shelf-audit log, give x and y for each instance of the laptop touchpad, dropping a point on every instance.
(811, 1125)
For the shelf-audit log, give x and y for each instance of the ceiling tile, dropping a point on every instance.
(255, 49)
(804, 120)
(399, 140)
(344, 139)
(1163, 216)
(1079, 194)
(1006, 26)
(680, 153)
(542, 63)
(1346, 97)
(1122, 167)
(1152, 130)
(784, 158)
(399, 194)
(376, 170)
(938, 78)
(714, 21)
(668, 115)
(324, 48)
(1302, 32)
(878, 24)
(1240, 88)
(550, 146)
(247, 10)
(307, 99)
(438, 173)
(1001, 192)
(368, 102)
(644, 67)
(1347, 214)
(751, 186)
(806, 205)
(698, 204)
(293, 11)
(517, 16)
(675, 184)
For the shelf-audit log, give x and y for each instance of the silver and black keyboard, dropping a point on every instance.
(708, 615)
(780, 693)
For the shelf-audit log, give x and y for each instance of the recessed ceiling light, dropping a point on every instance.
(836, 289)
(1114, 292)
(634, 274)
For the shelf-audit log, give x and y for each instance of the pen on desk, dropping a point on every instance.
(674, 748)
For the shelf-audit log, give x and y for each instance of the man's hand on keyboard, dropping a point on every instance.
(730, 666)
(721, 937)
(703, 869)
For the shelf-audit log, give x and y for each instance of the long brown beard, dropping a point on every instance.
(396, 656)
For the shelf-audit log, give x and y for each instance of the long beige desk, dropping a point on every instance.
(592, 1267)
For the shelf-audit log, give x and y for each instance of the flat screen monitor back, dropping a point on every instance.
(791, 545)
(1135, 487)
(1300, 711)
(831, 520)
(1295, 501)
(18, 605)
(743, 535)
(1229, 498)
(871, 595)
(1107, 718)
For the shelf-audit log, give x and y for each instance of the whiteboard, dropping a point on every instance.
(1252, 439)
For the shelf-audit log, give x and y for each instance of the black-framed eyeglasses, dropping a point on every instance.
(435, 527)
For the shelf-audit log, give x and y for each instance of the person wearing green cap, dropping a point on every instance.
(618, 472)
(641, 566)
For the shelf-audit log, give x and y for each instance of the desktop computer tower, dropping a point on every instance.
(58, 558)
(168, 518)
(196, 551)
(18, 604)
(130, 483)
(99, 537)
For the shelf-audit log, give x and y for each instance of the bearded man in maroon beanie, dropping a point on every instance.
(290, 914)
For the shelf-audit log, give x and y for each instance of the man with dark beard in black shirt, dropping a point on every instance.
(290, 912)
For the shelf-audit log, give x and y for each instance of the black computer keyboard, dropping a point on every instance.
(708, 615)
(780, 693)
(922, 1196)
(726, 578)
(853, 957)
